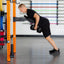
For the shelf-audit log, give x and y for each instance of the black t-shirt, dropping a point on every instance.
(30, 14)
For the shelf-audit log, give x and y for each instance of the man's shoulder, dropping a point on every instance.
(30, 9)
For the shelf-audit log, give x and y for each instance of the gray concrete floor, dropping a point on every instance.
(34, 50)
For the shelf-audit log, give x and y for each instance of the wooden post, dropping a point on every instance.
(1, 8)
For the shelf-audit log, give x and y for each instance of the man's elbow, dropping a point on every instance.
(37, 17)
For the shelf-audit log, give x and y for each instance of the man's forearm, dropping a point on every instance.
(37, 20)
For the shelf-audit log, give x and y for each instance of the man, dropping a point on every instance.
(44, 25)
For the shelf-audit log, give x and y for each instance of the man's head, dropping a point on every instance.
(22, 8)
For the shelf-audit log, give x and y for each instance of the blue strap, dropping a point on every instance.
(1, 22)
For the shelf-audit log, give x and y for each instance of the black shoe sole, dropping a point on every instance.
(55, 54)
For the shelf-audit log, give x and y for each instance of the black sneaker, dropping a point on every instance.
(55, 52)
(52, 51)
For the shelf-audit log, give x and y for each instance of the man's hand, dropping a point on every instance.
(35, 28)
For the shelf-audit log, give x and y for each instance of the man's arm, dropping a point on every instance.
(30, 20)
(36, 16)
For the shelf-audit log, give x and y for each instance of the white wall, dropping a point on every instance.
(23, 28)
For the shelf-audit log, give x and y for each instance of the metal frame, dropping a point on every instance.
(8, 29)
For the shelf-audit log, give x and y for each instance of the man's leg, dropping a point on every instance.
(50, 40)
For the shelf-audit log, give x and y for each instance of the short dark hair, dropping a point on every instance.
(21, 5)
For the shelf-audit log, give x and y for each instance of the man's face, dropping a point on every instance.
(22, 9)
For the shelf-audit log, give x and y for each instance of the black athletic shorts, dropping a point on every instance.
(45, 26)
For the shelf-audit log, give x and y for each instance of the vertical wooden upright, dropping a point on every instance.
(1, 8)
(14, 26)
(8, 30)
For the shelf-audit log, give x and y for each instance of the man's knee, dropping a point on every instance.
(48, 37)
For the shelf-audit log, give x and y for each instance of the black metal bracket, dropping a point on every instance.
(57, 12)
(22, 19)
